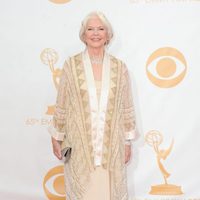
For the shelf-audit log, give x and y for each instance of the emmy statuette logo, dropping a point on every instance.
(154, 139)
(50, 57)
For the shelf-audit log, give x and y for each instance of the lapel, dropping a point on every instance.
(83, 107)
(112, 109)
(98, 110)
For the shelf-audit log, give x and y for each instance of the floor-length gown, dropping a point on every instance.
(99, 187)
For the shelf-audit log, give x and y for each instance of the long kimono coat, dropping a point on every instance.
(75, 118)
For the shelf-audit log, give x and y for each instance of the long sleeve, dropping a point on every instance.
(128, 109)
(56, 128)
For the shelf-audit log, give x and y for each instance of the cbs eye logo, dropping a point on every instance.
(166, 67)
(53, 184)
(59, 1)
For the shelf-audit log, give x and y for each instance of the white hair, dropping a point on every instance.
(103, 19)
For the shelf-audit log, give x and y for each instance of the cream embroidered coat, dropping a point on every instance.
(75, 118)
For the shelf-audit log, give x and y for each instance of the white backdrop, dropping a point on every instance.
(158, 40)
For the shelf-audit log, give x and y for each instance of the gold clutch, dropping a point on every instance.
(66, 154)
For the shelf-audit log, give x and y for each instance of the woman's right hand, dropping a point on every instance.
(56, 148)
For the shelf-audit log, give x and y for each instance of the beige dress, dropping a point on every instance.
(100, 179)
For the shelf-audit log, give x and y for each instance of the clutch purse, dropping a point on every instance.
(66, 154)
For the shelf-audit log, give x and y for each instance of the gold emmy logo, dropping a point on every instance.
(50, 57)
(166, 63)
(60, 1)
(57, 185)
(154, 138)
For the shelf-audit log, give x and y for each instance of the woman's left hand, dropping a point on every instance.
(127, 153)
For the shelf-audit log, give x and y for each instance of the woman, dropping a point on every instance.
(94, 116)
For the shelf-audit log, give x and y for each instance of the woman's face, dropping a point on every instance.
(95, 34)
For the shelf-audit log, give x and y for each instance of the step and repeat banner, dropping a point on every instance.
(159, 42)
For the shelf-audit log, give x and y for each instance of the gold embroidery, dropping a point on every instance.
(77, 129)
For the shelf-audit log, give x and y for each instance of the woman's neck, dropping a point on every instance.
(96, 52)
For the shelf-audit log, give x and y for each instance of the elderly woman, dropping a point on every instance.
(94, 115)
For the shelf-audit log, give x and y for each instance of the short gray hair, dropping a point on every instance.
(103, 19)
